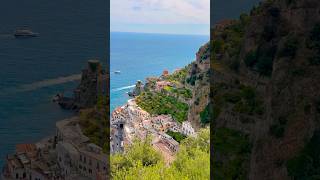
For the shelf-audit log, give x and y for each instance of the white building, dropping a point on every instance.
(187, 129)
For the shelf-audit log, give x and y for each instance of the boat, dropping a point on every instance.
(25, 32)
(117, 72)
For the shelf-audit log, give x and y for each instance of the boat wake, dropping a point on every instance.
(123, 88)
(41, 84)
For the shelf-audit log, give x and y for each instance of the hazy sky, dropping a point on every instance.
(161, 16)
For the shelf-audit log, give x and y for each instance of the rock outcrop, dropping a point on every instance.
(265, 92)
(91, 87)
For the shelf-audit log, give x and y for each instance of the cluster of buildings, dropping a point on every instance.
(130, 121)
(68, 155)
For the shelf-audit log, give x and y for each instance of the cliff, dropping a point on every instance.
(184, 93)
(265, 92)
(91, 88)
(198, 80)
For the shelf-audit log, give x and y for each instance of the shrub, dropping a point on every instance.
(235, 149)
(290, 47)
(306, 164)
(157, 103)
(176, 136)
(192, 80)
(206, 114)
(265, 66)
(251, 58)
(277, 129)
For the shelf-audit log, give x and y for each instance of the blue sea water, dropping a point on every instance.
(71, 32)
(138, 55)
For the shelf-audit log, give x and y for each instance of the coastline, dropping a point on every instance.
(66, 153)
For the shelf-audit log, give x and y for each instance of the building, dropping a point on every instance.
(92, 161)
(187, 129)
(67, 158)
(28, 163)
(165, 73)
(76, 155)
(160, 85)
(169, 142)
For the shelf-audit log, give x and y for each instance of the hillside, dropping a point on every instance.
(265, 92)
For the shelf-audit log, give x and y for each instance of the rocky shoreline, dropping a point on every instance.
(69, 154)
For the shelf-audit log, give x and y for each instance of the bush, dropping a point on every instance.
(192, 80)
(176, 136)
(157, 103)
(306, 164)
(191, 162)
(277, 129)
(206, 114)
(290, 47)
(217, 46)
(235, 149)
(265, 66)
(251, 58)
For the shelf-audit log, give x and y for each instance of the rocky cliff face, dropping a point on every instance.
(90, 87)
(266, 91)
(198, 81)
(90, 90)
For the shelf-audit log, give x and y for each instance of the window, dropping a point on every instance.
(84, 160)
(17, 176)
(98, 167)
(90, 171)
(80, 158)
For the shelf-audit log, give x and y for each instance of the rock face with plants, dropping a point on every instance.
(198, 79)
(265, 90)
(188, 96)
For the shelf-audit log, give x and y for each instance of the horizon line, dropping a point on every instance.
(160, 33)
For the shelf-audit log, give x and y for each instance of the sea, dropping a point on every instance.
(33, 70)
(141, 55)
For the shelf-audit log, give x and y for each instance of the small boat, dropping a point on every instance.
(25, 32)
(117, 72)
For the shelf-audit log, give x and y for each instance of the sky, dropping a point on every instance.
(161, 16)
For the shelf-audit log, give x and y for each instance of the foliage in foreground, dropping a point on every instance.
(192, 161)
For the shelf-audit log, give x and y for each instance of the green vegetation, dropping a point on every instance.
(314, 43)
(176, 136)
(261, 59)
(206, 115)
(178, 76)
(158, 103)
(290, 47)
(185, 93)
(277, 129)
(251, 58)
(231, 157)
(217, 46)
(141, 160)
(205, 54)
(192, 80)
(306, 165)
(245, 100)
(93, 122)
